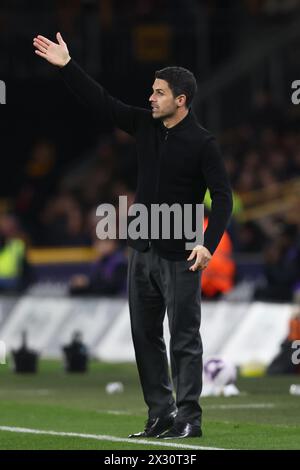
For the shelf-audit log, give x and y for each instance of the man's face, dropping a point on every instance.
(162, 101)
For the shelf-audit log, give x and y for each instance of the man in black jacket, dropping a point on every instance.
(178, 160)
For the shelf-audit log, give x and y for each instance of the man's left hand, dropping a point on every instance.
(203, 257)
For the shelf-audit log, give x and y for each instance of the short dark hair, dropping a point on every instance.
(181, 82)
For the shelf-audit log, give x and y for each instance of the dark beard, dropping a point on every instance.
(165, 116)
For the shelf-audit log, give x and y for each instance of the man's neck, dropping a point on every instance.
(173, 120)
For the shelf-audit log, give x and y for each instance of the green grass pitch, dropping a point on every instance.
(264, 416)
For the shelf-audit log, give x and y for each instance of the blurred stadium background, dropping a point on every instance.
(58, 164)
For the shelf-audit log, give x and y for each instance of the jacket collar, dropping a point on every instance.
(185, 122)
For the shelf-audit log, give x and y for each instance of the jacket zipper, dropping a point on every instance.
(159, 163)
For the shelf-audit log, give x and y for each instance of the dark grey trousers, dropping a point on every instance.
(154, 285)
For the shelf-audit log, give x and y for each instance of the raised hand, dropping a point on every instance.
(56, 54)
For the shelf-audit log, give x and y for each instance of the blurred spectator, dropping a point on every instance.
(126, 164)
(252, 239)
(282, 267)
(219, 276)
(62, 222)
(108, 272)
(14, 269)
(39, 177)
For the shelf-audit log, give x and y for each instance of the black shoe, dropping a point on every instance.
(155, 426)
(181, 430)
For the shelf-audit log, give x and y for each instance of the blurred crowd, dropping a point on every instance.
(262, 158)
(99, 20)
(57, 193)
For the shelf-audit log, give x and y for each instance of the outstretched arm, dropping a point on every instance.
(91, 93)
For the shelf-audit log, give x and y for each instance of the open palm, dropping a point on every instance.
(56, 54)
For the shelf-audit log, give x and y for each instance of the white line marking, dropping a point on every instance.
(240, 406)
(115, 412)
(105, 438)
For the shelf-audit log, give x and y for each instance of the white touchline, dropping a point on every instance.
(239, 406)
(114, 412)
(105, 438)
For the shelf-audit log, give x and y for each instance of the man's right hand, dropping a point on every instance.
(56, 54)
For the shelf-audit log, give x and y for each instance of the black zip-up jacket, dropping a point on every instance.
(175, 165)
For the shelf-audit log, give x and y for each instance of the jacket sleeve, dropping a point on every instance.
(99, 101)
(217, 181)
